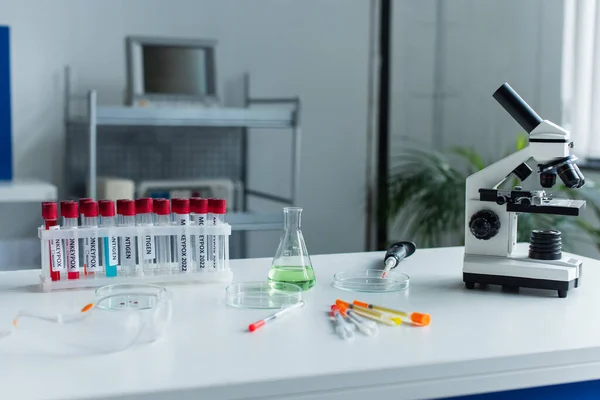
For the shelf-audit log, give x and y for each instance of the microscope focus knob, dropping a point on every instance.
(484, 224)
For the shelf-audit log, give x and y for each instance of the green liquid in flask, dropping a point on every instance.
(296, 275)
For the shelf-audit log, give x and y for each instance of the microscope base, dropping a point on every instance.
(515, 272)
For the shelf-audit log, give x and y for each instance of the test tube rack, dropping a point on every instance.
(170, 272)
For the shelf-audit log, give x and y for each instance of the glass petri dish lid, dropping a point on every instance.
(370, 280)
(130, 296)
(262, 294)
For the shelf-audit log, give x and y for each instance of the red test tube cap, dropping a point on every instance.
(180, 206)
(89, 209)
(49, 210)
(162, 207)
(198, 205)
(143, 206)
(217, 206)
(69, 209)
(84, 200)
(107, 208)
(126, 207)
(120, 206)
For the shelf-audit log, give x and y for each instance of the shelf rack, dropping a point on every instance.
(270, 114)
(27, 190)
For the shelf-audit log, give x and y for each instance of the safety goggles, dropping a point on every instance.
(126, 316)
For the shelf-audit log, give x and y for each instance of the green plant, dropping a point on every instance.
(427, 199)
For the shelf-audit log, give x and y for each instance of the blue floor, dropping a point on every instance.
(576, 391)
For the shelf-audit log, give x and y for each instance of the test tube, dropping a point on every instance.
(181, 213)
(162, 211)
(91, 254)
(155, 202)
(81, 202)
(111, 244)
(146, 244)
(217, 209)
(199, 209)
(50, 215)
(126, 217)
(69, 211)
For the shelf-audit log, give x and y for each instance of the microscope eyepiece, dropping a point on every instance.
(517, 107)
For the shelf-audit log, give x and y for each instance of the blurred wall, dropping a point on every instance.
(450, 56)
(315, 49)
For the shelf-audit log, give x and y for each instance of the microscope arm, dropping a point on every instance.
(487, 178)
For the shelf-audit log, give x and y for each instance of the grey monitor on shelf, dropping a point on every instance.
(161, 70)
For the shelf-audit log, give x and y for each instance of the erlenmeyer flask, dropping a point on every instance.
(291, 263)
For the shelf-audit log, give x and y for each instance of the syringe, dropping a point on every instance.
(368, 313)
(367, 327)
(396, 253)
(342, 328)
(416, 317)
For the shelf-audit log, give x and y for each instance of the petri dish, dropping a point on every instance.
(130, 296)
(370, 280)
(262, 294)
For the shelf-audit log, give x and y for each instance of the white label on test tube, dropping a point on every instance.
(127, 246)
(149, 250)
(58, 264)
(113, 248)
(213, 248)
(182, 242)
(201, 243)
(72, 255)
(91, 253)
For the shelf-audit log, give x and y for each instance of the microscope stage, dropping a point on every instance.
(521, 271)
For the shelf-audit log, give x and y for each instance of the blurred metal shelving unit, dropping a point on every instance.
(223, 127)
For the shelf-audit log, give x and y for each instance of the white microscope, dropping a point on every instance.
(492, 255)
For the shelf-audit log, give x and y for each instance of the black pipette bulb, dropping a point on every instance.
(396, 253)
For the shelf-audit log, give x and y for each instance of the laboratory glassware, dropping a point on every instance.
(121, 316)
(162, 212)
(50, 216)
(69, 210)
(217, 209)
(91, 249)
(291, 263)
(111, 244)
(181, 214)
(370, 280)
(147, 244)
(128, 251)
(262, 294)
(199, 211)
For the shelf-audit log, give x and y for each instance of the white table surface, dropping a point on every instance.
(478, 341)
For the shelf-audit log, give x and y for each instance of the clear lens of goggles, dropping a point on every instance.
(122, 316)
